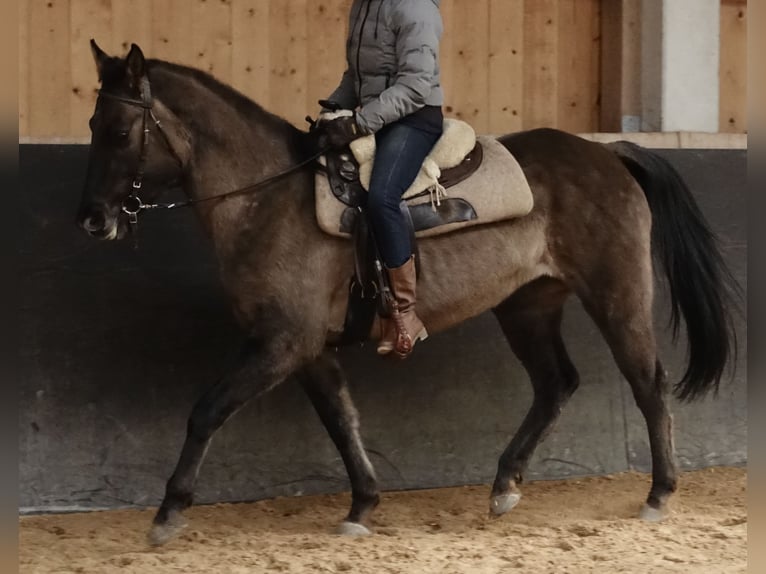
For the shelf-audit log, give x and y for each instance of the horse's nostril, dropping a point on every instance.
(94, 222)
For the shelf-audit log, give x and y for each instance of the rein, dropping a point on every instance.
(132, 205)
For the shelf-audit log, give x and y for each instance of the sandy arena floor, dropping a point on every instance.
(566, 527)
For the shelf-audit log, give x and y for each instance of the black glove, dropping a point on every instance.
(341, 131)
(330, 105)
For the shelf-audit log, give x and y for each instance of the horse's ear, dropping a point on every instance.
(99, 56)
(136, 64)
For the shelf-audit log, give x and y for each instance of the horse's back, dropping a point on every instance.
(557, 150)
(568, 174)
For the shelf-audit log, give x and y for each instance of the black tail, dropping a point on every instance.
(702, 288)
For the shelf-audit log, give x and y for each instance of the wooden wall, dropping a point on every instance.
(507, 64)
(733, 106)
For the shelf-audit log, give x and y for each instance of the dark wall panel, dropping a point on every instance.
(117, 343)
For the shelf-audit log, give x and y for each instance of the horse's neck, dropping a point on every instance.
(232, 147)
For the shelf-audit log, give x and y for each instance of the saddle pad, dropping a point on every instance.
(457, 141)
(498, 190)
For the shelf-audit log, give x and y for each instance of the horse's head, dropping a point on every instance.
(138, 146)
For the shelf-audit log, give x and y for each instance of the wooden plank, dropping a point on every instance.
(540, 63)
(446, 53)
(593, 100)
(631, 58)
(611, 64)
(469, 28)
(577, 42)
(506, 43)
(10, 48)
(287, 47)
(251, 73)
(49, 72)
(132, 24)
(87, 19)
(620, 49)
(24, 68)
(172, 31)
(212, 37)
(570, 65)
(326, 52)
(733, 83)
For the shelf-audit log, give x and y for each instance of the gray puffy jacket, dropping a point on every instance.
(393, 60)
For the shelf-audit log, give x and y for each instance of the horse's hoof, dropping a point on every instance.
(352, 529)
(502, 503)
(163, 533)
(651, 514)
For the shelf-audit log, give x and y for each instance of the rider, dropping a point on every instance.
(392, 83)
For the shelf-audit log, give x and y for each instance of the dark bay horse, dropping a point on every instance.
(599, 211)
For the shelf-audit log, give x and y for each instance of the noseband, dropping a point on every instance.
(132, 204)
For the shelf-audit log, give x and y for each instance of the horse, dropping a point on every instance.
(603, 215)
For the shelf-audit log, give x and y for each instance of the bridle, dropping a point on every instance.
(132, 205)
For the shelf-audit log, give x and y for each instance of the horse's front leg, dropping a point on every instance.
(261, 366)
(326, 386)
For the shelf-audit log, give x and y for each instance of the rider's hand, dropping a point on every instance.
(341, 131)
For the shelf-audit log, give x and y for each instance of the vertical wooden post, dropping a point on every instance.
(611, 65)
(620, 65)
(24, 68)
(733, 107)
(578, 66)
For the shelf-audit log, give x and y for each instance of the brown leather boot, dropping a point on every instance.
(407, 329)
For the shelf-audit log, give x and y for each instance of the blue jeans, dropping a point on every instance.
(400, 151)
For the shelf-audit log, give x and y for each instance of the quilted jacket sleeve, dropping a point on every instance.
(418, 27)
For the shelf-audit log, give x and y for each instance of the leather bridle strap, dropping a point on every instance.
(132, 205)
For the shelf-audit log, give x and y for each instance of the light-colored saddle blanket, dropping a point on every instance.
(498, 190)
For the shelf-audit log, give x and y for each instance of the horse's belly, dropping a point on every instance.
(468, 273)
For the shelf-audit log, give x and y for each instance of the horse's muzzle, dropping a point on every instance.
(98, 223)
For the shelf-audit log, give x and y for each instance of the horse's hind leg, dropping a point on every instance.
(531, 321)
(627, 326)
(326, 386)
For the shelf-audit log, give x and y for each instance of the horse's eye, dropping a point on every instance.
(120, 137)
